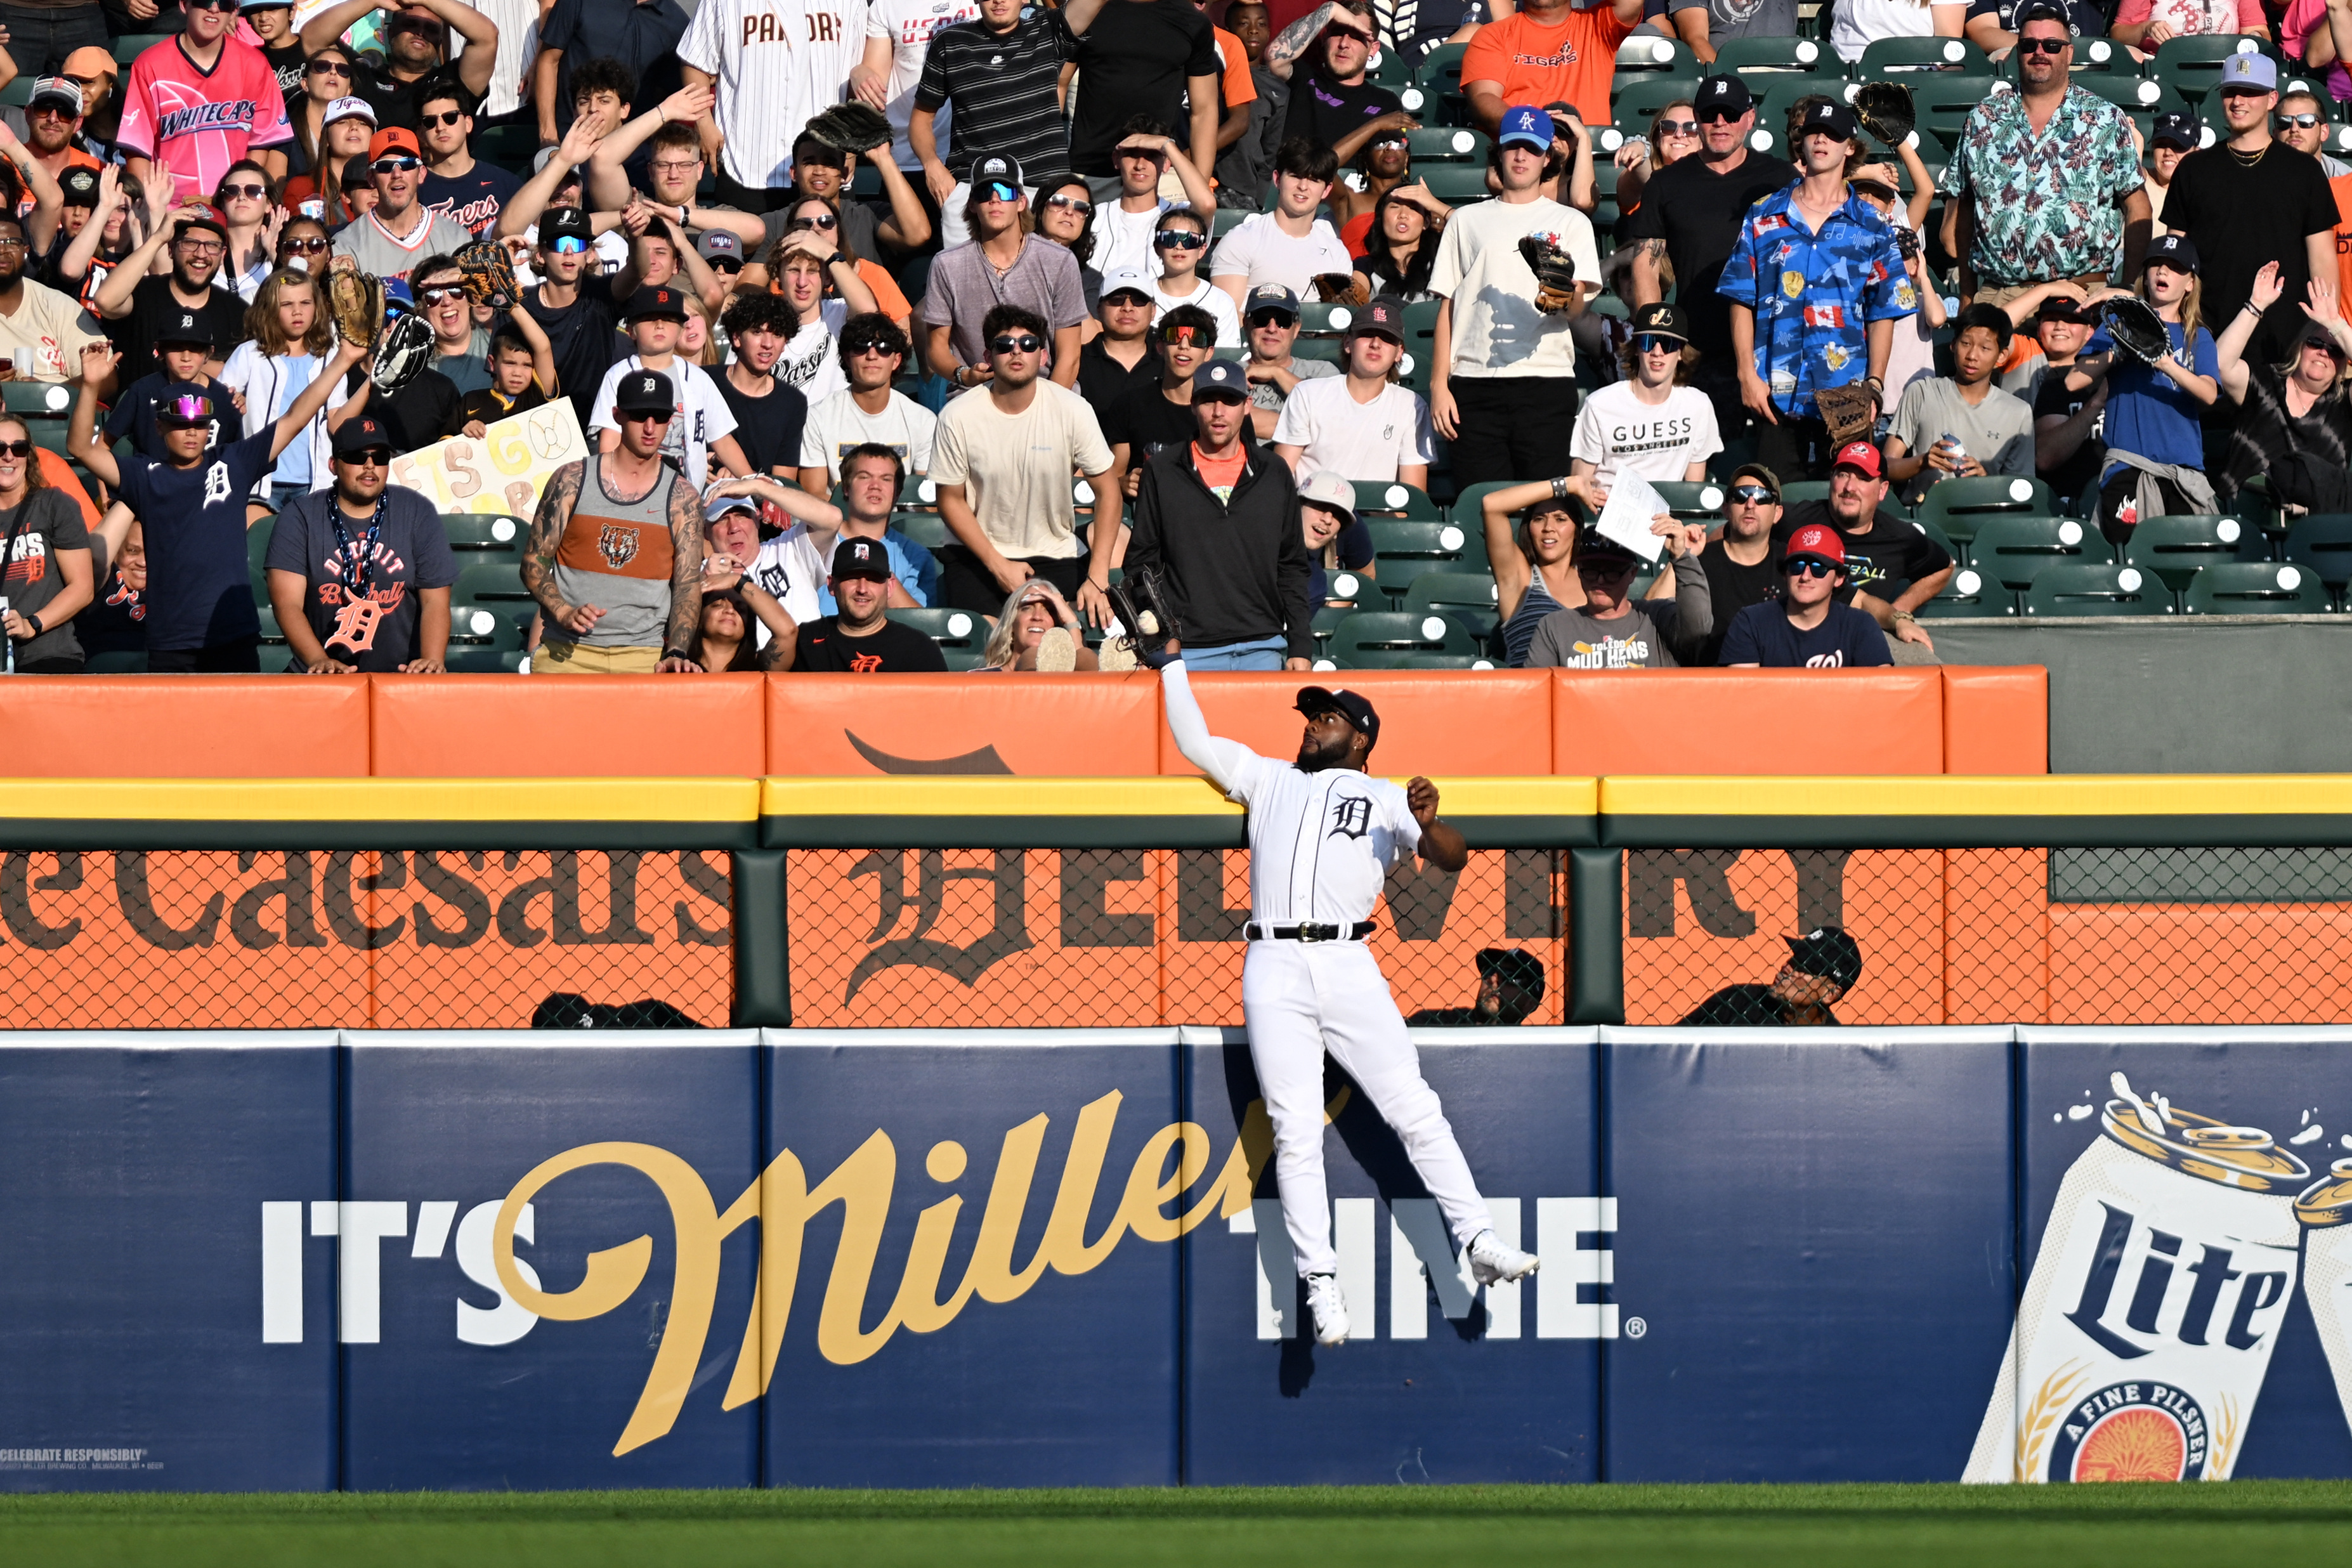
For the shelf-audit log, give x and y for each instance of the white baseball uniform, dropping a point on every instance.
(1320, 847)
(777, 64)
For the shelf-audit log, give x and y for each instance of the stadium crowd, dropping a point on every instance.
(1201, 288)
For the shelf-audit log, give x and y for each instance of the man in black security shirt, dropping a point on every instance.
(1892, 568)
(860, 639)
(1822, 966)
(1690, 216)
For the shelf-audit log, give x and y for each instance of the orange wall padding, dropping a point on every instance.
(1094, 727)
(184, 726)
(1996, 720)
(1495, 724)
(1752, 721)
(612, 726)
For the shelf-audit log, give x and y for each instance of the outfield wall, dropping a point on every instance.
(309, 1261)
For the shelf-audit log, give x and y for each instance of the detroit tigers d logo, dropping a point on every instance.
(1351, 816)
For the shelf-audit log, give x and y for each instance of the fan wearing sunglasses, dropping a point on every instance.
(1652, 423)
(243, 198)
(44, 560)
(242, 109)
(401, 231)
(1182, 242)
(870, 411)
(1807, 628)
(458, 185)
(1125, 229)
(416, 41)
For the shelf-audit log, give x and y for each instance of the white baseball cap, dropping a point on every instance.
(1134, 280)
(1327, 489)
(344, 108)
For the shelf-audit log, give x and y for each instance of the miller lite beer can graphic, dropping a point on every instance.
(2325, 1210)
(2148, 1320)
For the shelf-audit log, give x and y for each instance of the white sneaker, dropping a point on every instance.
(1325, 1306)
(1492, 1263)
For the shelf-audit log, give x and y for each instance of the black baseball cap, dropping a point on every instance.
(2044, 11)
(1314, 699)
(207, 218)
(2059, 307)
(1826, 952)
(80, 186)
(1726, 93)
(655, 299)
(557, 223)
(1761, 474)
(1829, 118)
(644, 392)
(1514, 967)
(861, 558)
(1383, 318)
(1662, 319)
(364, 433)
(2174, 250)
(996, 169)
(186, 327)
(1591, 544)
(2178, 127)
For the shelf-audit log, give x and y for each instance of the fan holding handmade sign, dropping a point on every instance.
(502, 470)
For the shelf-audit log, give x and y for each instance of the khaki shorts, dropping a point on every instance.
(585, 658)
(2001, 296)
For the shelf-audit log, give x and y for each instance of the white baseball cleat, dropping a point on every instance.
(1325, 1307)
(1492, 1263)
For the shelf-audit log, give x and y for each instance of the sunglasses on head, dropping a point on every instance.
(1015, 343)
(16, 448)
(447, 116)
(327, 67)
(1752, 495)
(1807, 566)
(1179, 240)
(1657, 343)
(2299, 121)
(1677, 127)
(1078, 205)
(399, 165)
(825, 221)
(2044, 46)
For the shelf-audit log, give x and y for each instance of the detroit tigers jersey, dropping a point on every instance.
(777, 63)
(197, 123)
(1320, 844)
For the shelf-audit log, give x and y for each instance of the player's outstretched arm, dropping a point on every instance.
(1222, 760)
(1442, 844)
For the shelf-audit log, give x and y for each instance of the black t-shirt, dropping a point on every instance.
(1742, 1007)
(427, 409)
(1103, 380)
(474, 198)
(1323, 110)
(1734, 587)
(2241, 220)
(893, 650)
(115, 620)
(1697, 213)
(768, 428)
(134, 417)
(287, 61)
(584, 339)
(1883, 562)
(1136, 58)
(394, 100)
(361, 603)
(198, 590)
(1410, 280)
(152, 304)
(2071, 478)
(489, 405)
(1148, 423)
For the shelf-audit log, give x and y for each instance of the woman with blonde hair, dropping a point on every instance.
(2294, 423)
(696, 341)
(2155, 418)
(1037, 630)
(1673, 136)
(288, 341)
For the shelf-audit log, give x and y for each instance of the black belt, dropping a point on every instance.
(1253, 931)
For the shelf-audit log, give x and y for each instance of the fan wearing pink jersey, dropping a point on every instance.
(197, 103)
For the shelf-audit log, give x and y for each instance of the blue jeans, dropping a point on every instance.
(1264, 655)
(279, 494)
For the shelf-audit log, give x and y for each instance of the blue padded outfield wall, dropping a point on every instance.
(304, 1261)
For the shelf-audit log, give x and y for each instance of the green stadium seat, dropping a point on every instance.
(486, 639)
(2013, 551)
(2175, 547)
(1646, 53)
(2322, 545)
(1456, 185)
(486, 533)
(2132, 92)
(130, 662)
(1634, 101)
(1355, 590)
(1909, 57)
(918, 494)
(1441, 68)
(1403, 551)
(2191, 65)
(1970, 593)
(38, 398)
(1373, 641)
(18, 93)
(272, 635)
(1326, 622)
(495, 582)
(1943, 101)
(2255, 588)
(927, 529)
(1959, 507)
(1795, 492)
(2097, 589)
(1317, 319)
(1447, 661)
(1699, 502)
(961, 634)
(1227, 220)
(1325, 349)
(2103, 56)
(1447, 144)
(1943, 541)
(1759, 61)
(131, 45)
(1377, 498)
(1466, 598)
(1390, 68)
(511, 146)
(256, 550)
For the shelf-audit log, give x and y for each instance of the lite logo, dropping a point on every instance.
(1576, 1238)
(360, 1231)
(2183, 1288)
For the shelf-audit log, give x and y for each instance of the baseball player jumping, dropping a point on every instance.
(1322, 836)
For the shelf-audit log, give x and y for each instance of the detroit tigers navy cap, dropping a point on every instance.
(2179, 129)
(364, 433)
(2175, 250)
(1725, 93)
(1349, 705)
(1828, 951)
(655, 299)
(1221, 378)
(644, 392)
(1827, 118)
(861, 558)
(185, 326)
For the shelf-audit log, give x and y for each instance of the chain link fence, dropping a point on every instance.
(1968, 936)
(387, 939)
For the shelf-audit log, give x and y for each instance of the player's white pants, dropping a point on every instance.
(1301, 999)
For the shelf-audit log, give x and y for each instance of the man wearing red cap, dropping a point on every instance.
(1891, 568)
(1807, 628)
(400, 231)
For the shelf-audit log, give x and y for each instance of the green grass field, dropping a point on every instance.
(1757, 1527)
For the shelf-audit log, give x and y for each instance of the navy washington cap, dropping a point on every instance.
(1314, 699)
(644, 392)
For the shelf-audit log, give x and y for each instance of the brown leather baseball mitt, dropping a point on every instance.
(490, 274)
(1555, 272)
(852, 127)
(354, 304)
(1849, 411)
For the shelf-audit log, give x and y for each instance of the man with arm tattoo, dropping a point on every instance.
(615, 556)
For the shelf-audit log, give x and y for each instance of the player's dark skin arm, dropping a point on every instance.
(1442, 844)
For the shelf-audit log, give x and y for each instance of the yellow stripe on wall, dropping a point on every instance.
(1003, 797)
(2070, 794)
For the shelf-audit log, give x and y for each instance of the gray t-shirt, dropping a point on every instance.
(362, 601)
(964, 286)
(1267, 396)
(1646, 639)
(31, 535)
(1998, 432)
(1728, 19)
(470, 370)
(370, 244)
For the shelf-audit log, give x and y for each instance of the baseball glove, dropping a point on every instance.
(1849, 411)
(1886, 111)
(2136, 329)
(401, 351)
(1555, 272)
(490, 274)
(355, 304)
(1141, 600)
(851, 127)
(1340, 288)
